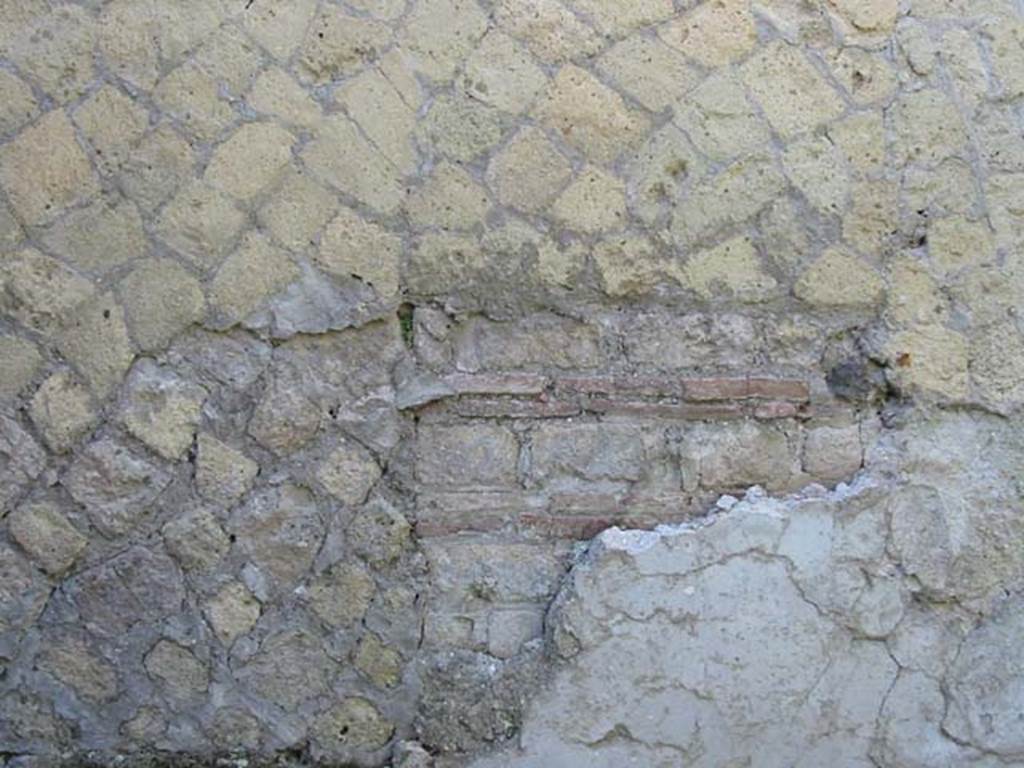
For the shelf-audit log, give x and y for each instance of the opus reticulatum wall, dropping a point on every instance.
(333, 332)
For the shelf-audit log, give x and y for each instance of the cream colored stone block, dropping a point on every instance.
(348, 473)
(840, 279)
(340, 156)
(339, 44)
(866, 76)
(439, 34)
(39, 291)
(21, 362)
(353, 246)
(177, 669)
(47, 536)
(201, 223)
(928, 127)
(816, 169)
(157, 168)
(737, 193)
(196, 539)
(997, 364)
(732, 270)
(860, 138)
(161, 299)
(630, 266)
(394, 65)
(162, 409)
(277, 94)
(379, 109)
(553, 32)
(95, 341)
(231, 58)
(873, 216)
(794, 96)
(125, 41)
(648, 70)
(957, 242)
(914, 296)
(715, 33)
(17, 104)
(590, 115)
(502, 73)
(869, 15)
(932, 359)
(278, 27)
(1006, 36)
(43, 170)
(614, 18)
(659, 173)
(341, 595)
(529, 171)
(298, 210)
(720, 120)
(560, 266)
(949, 187)
(99, 238)
(459, 127)
(232, 612)
(192, 96)
(56, 51)
(63, 412)
(1004, 193)
(380, 664)
(439, 261)
(450, 199)
(250, 160)
(247, 277)
(113, 123)
(223, 474)
(594, 202)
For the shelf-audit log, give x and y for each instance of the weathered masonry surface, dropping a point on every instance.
(563, 383)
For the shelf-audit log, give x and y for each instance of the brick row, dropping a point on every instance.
(554, 390)
(548, 408)
(565, 515)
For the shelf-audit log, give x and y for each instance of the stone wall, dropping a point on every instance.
(333, 331)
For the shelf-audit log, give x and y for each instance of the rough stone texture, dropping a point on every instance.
(46, 535)
(785, 631)
(331, 331)
(161, 409)
(115, 485)
(62, 411)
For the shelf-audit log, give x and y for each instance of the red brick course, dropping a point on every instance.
(530, 510)
(527, 395)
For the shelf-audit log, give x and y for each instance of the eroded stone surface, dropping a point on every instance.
(790, 606)
(115, 485)
(46, 535)
(161, 409)
(63, 411)
(330, 330)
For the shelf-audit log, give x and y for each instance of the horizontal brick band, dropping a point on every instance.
(545, 408)
(516, 408)
(647, 386)
(559, 515)
(694, 390)
(497, 383)
(666, 410)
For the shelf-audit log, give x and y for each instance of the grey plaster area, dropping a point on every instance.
(878, 624)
